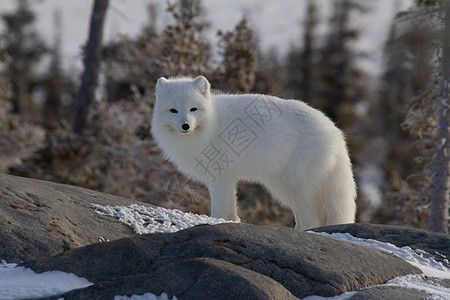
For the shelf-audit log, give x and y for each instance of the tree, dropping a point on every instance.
(395, 91)
(19, 138)
(406, 70)
(301, 62)
(25, 48)
(240, 58)
(440, 185)
(5, 84)
(428, 115)
(91, 65)
(265, 81)
(55, 82)
(341, 81)
(180, 49)
(184, 50)
(134, 61)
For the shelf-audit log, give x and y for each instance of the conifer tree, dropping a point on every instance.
(440, 185)
(265, 81)
(185, 51)
(395, 92)
(180, 49)
(307, 84)
(19, 139)
(54, 81)
(341, 82)
(25, 48)
(240, 58)
(428, 117)
(397, 86)
(134, 61)
(5, 84)
(301, 62)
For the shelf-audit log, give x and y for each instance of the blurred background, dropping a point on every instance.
(374, 67)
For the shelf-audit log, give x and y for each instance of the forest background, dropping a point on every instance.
(392, 117)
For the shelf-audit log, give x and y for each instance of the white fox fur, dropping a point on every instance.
(294, 150)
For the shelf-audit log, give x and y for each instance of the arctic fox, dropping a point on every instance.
(294, 150)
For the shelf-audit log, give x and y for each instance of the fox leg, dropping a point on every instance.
(223, 200)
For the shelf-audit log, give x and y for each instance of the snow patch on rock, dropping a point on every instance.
(155, 219)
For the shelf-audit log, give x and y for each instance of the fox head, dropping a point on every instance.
(182, 105)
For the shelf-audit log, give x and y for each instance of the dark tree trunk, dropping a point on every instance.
(91, 65)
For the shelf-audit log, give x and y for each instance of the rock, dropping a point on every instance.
(262, 259)
(389, 292)
(198, 278)
(40, 221)
(434, 244)
(41, 218)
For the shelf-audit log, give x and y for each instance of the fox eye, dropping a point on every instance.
(173, 110)
(194, 109)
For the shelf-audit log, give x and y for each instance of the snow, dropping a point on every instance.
(343, 296)
(155, 219)
(418, 282)
(429, 266)
(19, 282)
(147, 296)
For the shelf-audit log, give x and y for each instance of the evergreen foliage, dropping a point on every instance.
(25, 47)
(240, 59)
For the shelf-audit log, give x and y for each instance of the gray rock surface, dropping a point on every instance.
(41, 218)
(198, 278)
(389, 293)
(253, 256)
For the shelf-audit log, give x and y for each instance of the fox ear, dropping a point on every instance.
(202, 85)
(162, 82)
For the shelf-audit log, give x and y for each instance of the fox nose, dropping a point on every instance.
(185, 127)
